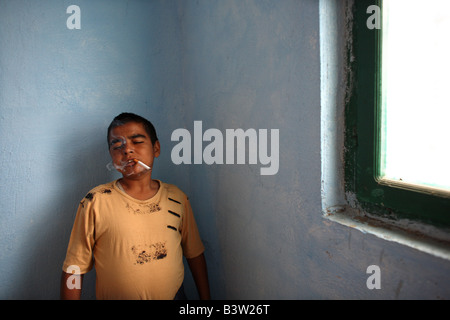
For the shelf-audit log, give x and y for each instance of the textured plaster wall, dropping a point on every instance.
(59, 90)
(257, 64)
(231, 64)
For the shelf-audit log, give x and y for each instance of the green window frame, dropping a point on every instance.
(362, 143)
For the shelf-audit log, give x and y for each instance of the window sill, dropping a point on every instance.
(425, 238)
(337, 204)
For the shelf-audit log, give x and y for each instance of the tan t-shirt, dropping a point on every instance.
(137, 245)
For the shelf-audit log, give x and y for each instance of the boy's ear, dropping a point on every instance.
(156, 149)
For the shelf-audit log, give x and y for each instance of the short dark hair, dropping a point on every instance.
(126, 117)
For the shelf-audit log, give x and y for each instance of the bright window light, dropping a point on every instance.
(415, 104)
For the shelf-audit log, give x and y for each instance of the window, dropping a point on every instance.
(397, 136)
(414, 110)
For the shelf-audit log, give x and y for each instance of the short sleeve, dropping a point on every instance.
(191, 241)
(79, 256)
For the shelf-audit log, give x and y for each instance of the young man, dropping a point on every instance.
(135, 229)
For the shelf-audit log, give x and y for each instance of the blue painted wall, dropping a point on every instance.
(59, 90)
(230, 64)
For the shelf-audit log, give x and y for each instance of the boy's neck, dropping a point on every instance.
(143, 188)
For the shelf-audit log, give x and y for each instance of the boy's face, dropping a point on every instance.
(131, 141)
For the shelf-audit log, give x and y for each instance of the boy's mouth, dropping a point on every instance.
(130, 163)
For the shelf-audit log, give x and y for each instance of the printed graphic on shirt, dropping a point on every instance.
(149, 253)
(143, 208)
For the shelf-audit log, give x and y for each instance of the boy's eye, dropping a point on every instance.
(116, 144)
(117, 147)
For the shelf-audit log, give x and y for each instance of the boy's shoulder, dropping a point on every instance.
(93, 194)
(105, 188)
(174, 192)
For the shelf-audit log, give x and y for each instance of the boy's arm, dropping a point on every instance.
(199, 272)
(67, 293)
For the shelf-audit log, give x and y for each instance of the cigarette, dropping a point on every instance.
(142, 164)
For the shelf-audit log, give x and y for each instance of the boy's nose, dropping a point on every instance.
(127, 149)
